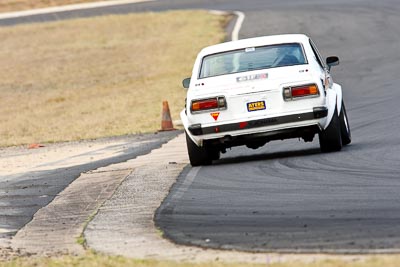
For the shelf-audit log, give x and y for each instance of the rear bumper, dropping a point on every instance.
(198, 130)
(306, 132)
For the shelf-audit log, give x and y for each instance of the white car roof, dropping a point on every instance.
(254, 42)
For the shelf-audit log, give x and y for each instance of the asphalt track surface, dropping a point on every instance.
(288, 196)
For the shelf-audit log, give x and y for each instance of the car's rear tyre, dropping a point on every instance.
(214, 154)
(344, 126)
(197, 155)
(330, 139)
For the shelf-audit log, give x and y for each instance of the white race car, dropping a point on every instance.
(253, 91)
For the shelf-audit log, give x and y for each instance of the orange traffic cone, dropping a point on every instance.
(166, 122)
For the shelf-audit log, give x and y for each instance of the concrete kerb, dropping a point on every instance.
(55, 229)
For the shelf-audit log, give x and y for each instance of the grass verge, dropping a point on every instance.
(96, 77)
(93, 259)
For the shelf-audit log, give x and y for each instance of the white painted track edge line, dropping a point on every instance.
(56, 9)
(238, 25)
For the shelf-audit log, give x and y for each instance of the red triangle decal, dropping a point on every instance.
(215, 115)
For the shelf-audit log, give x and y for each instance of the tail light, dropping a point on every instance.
(215, 103)
(309, 90)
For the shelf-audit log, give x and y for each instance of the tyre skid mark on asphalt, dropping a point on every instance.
(324, 165)
(276, 165)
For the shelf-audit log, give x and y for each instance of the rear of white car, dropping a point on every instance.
(252, 91)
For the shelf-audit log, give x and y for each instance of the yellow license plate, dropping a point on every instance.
(254, 106)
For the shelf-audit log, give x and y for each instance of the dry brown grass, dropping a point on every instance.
(96, 77)
(95, 260)
(17, 5)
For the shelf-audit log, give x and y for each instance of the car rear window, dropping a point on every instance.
(252, 58)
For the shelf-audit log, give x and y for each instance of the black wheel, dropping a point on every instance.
(331, 138)
(213, 153)
(344, 126)
(197, 155)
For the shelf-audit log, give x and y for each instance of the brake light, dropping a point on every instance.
(215, 103)
(300, 91)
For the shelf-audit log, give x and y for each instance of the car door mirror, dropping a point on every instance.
(332, 61)
(186, 83)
